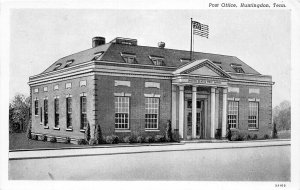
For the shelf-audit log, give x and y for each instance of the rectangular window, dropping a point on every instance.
(122, 112)
(45, 112)
(83, 117)
(69, 112)
(253, 115)
(41, 115)
(36, 107)
(152, 111)
(56, 112)
(233, 114)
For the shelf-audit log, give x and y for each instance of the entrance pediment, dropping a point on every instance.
(203, 67)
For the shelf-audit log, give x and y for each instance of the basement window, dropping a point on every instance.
(237, 68)
(158, 61)
(129, 58)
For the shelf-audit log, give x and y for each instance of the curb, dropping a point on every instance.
(146, 151)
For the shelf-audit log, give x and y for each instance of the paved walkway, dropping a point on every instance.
(144, 148)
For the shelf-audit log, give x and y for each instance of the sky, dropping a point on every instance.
(260, 38)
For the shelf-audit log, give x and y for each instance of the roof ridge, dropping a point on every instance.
(183, 50)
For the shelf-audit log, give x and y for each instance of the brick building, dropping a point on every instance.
(132, 89)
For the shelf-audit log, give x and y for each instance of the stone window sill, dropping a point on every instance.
(253, 129)
(56, 128)
(122, 130)
(69, 129)
(150, 130)
(46, 127)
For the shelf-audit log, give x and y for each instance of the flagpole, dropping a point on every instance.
(191, 39)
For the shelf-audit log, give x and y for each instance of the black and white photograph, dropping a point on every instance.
(184, 96)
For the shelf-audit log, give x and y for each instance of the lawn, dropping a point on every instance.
(20, 141)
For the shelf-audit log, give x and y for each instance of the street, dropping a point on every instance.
(243, 163)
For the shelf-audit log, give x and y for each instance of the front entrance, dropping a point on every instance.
(200, 118)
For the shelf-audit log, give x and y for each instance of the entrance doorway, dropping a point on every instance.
(200, 118)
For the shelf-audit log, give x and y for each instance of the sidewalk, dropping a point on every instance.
(141, 148)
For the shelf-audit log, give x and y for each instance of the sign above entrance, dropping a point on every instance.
(200, 81)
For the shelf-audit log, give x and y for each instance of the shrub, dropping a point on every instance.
(274, 132)
(109, 139)
(81, 141)
(87, 133)
(140, 139)
(34, 137)
(266, 136)
(169, 137)
(159, 138)
(92, 142)
(67, 140)
(218, 133)
(29, 132)
(126, 139)
(234, 137)
(149, 139)
(175, 136)
(246, 137)
(43, 137)
(115, 139)
(98, 135)
(254, 137)
(53, 139)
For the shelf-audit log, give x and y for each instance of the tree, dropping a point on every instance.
(88, 133)
(282, 116)
(98, 134)
(19, 113)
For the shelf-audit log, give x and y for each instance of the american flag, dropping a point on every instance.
(200, 29)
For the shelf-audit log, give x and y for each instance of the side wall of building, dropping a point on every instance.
(253, 93)
(105, 104)
(61, 93)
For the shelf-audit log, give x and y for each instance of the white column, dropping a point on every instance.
(181, 110)
(174, 109)
(224, 112)
(194, 111)
(212, 113)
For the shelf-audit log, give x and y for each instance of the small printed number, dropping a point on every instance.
(279, 185)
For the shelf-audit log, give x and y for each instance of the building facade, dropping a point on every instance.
(130, 89)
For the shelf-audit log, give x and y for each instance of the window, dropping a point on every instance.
(45, 89)
(253, 115)
(122, 112)
(158, 61)
(36, 90)
(57, 66)
(98, 55)
(69, 112)
(152, 110)
(82, 83)
(69, 62)
(55, 87)
(129, 58)
(36, 107)
(233, 114)
(83, 117)
(45, 112)
(218, 64)
(237, 68)
(56, 112)
(41, 115)
(69, 85)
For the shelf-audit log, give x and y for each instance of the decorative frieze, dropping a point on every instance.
(122, 83)
(233, 89)
(253, 91)
(82, 83)
(152, 84)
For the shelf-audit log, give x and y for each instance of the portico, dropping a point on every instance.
(199, 100)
